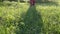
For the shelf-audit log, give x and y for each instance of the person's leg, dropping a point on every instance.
(33, 2)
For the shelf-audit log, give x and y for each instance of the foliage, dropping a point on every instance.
(24, 19)
(28, 0)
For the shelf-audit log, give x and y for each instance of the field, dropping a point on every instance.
(21, 18)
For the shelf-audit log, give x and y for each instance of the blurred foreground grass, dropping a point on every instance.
(23, 19)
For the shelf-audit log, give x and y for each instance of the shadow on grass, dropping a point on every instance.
(1, 4)
(32, 22)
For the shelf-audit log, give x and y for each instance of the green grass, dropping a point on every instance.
(24, 19)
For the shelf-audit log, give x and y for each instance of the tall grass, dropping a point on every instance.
(24, 19)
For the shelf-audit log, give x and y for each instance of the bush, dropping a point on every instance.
(45, 0)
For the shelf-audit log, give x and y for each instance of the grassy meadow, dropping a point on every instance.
(21, 18)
